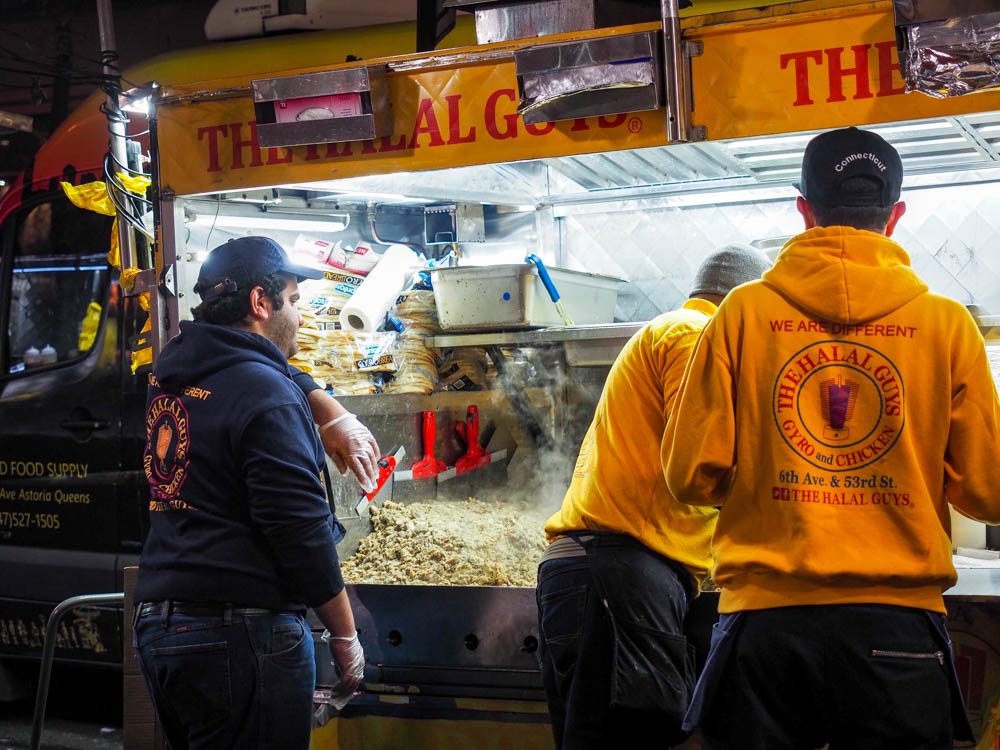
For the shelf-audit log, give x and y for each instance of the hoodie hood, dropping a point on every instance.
(203, 349)
(844, 275)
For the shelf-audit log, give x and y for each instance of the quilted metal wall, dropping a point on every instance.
(951, 233)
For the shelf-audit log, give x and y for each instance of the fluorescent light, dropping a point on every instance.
(270, 222)
(58, 269)
(352, 195)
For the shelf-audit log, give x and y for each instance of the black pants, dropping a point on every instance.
(618, 671)
(859, 677)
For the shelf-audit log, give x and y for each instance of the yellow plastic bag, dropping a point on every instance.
(90, 196)
(88, 331)
(143, 356)
(93, 196)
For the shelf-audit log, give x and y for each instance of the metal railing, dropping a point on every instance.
(49, 650)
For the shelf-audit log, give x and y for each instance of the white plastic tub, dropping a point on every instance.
(495, 298)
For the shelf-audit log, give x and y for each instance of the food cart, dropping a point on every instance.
(620, 151)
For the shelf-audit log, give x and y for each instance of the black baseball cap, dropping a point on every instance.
(238, 263)
(837, 155)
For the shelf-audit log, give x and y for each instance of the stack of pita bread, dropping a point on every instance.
(417, 372)
(326, 352)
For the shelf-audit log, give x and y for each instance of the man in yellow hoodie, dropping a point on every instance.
(625, 557)
(833, 410)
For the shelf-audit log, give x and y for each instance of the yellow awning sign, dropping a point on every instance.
(826, 66)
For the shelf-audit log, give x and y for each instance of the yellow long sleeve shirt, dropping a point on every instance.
(834, 409)
(618, 481)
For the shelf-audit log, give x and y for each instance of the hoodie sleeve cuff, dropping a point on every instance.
(303, 380)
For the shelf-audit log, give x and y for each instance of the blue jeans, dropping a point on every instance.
(247, 683)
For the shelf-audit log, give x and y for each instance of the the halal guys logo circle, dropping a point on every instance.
(167, 441)
(839, 405)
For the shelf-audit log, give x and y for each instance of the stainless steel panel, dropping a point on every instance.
(465, 634)
(592, 103)
(916, 11)
(574, 334)
(344, 81)
(498, 22)
(592, 77)
(369, 82)
(548, 57)
(334, 130)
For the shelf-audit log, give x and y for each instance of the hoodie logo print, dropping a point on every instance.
(839, 405)
(166, 459)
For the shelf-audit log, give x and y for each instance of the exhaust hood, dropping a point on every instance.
(941, 151)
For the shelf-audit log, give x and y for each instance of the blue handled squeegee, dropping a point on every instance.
(543, 272)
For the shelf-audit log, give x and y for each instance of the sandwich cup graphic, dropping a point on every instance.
(164, 437)
(839, 398)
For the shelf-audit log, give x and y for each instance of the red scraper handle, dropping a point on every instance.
(428, 466)
(475, 457)
(386, 466)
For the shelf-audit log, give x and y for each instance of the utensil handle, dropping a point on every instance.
(430, 433)
(543, 272)
(472, 426)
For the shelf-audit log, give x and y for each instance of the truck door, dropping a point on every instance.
(60, 441)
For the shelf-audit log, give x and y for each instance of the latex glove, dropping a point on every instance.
(352, 446)
(349, 663)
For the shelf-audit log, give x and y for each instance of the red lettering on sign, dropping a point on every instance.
(611, 122)
(510, 121)
(886, 69)
(239, 143)
(838, 73)
(890, 81)
(540, 128)
(213, 132)
(426, 124)
(339, 150)
(273, 158)
(385, 144)
(580, 124)
(801, 60)
(455, 124)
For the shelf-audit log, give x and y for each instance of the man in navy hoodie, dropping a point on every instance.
(241, 537)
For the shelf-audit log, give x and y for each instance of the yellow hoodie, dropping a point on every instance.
(618, 482)
(834, 409)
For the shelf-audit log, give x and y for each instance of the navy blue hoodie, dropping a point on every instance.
(237, 509)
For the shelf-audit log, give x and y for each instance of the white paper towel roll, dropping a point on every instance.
(378, 292)
(965, 532)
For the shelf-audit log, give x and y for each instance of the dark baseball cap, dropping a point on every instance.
(833, 157)
(240, 262)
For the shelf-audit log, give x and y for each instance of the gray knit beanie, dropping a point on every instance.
(727, 267)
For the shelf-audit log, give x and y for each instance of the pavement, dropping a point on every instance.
(84, 710)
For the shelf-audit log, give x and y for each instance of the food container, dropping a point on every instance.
(496, 298)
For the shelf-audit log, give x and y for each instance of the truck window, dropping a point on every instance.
(59, 283)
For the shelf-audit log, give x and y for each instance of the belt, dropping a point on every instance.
(576, 544)
(203, 609)
(566, 547)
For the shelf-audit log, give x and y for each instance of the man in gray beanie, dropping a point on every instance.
(625, 558)
(726, 268)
